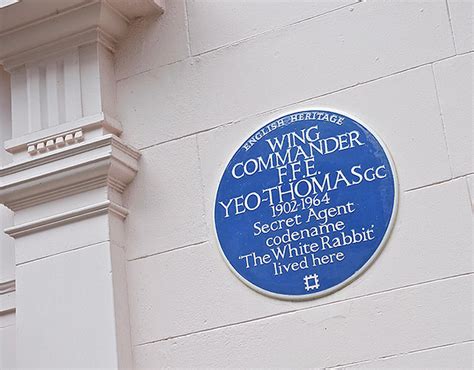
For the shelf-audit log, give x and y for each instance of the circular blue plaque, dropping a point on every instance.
(305, 204)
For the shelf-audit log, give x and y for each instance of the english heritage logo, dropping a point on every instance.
(305, 204)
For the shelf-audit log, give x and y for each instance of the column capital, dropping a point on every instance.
(30, 29)
(60, 55)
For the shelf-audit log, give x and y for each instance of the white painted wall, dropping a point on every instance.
(193, 84)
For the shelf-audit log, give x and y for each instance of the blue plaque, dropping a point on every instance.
(305, 204)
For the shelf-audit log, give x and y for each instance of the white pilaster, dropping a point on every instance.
(65, 181)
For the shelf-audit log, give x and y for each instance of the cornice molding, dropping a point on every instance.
(42, 32)
(32, 15)
(33, 11)
(7, 297)
(87, 36)
(7, 287)
(66, 152)
(78, 214)
(41, 35)
(103, 161)
(62, 192)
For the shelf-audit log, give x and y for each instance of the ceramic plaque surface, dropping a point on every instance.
(305, 204)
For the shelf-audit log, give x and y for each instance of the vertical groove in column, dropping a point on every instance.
(43, 97)
(34, 102)
(19, 102)
(61, 92)
(72, 86)
(52, 93)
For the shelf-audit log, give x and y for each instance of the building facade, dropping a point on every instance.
(118, 119)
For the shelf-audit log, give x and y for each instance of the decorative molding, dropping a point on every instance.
(68, 152)
(7, 287)
(61, 63)
(39, 53)
(101, 121)
(65, 147)
(49, 10)
(45, 31)
(78, 214)
(31, 16)
(7, 297)
(134, 9)
(116, 184)
(7, 303)
(55, 142)
(111, 16)
(63, 192)
(103, 161)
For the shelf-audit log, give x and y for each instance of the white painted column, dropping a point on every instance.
(72, 306)
(65, 182)
(7, 257)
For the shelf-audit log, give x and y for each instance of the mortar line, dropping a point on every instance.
(188, 35)
(225, 46)
(149, 69)
(439, 182)
(168, 251)
(5, 313)
(275, 29)
(186, 136)
(443, 124)
(400, 354)
(237, 42)
(298, 310)
(207, 240)
(451, 26)
(201, 181)
(64, 252)
(471, 196)
(256, 114)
